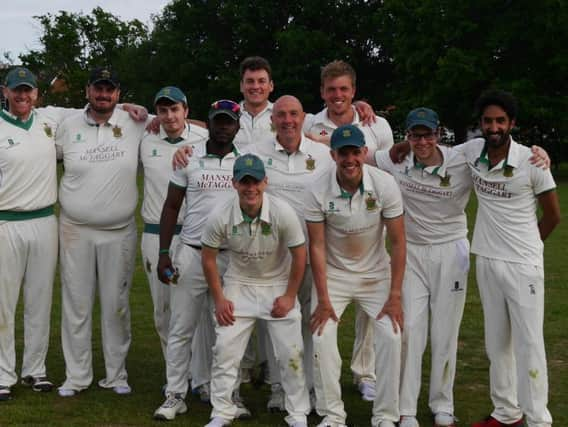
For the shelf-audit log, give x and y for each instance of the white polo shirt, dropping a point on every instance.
(207, 180)
(259, 248)
(156, 152)
(254, 128)
(98, 187)
(434, 197)
(289, 175)
(354, 224)
(506, 226)
(378, 136)
(28, 179)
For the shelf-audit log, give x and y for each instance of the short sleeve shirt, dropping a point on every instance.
(354, 223)
(259, 249)
(254, 129)
(434, 197)
(506, 226)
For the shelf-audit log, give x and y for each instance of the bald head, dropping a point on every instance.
(288, 119)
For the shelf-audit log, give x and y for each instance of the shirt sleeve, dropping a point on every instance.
(313, 211)
(179, 177)
(291, 230)
(214, 232)
(541, 180)
(392, 199)
(383, 160)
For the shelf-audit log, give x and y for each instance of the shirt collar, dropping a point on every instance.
(301, 147)
(511, 159)
(268, 108)
(183, 137)
(322, 118)
(14, 120)
(238, 217)
(340, 193)
(439, 170)
(112, 121)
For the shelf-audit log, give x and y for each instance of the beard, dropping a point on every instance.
(100, 109)
(497, 139)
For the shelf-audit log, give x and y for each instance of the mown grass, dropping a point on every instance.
(96, 407)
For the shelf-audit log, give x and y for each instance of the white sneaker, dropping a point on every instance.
(242, 411)
(67, 392)
(386, 423)
(299, 424)
(408, 421)
(327, 423)
(276, 401)
(122, 389)
(443, 419)
(246, 375)
(218, 422)
(367, 390)
(5, 393)
(173, 405)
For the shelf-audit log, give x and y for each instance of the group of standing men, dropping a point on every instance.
(246, 248)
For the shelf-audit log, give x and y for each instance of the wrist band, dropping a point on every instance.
(164, 251)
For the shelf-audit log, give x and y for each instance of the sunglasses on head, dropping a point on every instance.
(225, 104)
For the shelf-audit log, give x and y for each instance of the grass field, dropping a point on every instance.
(97, 407)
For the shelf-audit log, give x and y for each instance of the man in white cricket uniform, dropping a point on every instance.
(28, 228)
(256, 86)
(292, 161)
(435, 184)
(338, 86)
(156, 152)
(508, 243)
(267, 260)
(97, 232)
(346, 212)
(204, 184)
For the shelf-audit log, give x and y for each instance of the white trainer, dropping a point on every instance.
(242, 411)
(386, 423)
(367, 390)
(408, 421)
(299, 424)
(276, 401)
(122, 389)
(173, 405)
(443, 419)
(218, 422)
(66, 392)
(327, 423)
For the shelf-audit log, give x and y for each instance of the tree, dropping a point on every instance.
(72, 43)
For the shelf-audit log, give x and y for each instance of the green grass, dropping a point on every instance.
(96, 407)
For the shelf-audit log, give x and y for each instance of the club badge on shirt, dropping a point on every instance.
(310, 163)
(265, 228)
(48, 131)
(371, 202)
(508, 171)
(117, 131)
(445, 181)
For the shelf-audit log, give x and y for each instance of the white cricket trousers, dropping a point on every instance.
(252, 302)
(363, 355)
(512, 295)
(304, 298)
(28, 256)
(190, 305)
(370, 294)
(434, 288)
(93, 259)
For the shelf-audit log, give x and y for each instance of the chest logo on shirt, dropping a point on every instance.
(265, 229)
(445, 181)
(331, 207)
(117, 131)
(310, 163)
(11, 144)
(269, 162)
(78, 138)
(508, 171)
(155, 153)
(48, 131)
(371, 202)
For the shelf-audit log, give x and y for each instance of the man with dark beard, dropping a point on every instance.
(508, 243)
(98, 197)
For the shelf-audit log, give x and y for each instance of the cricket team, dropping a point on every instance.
(272, 222)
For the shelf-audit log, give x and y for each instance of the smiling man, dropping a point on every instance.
(267, 257)
(28, 246)
(347, 210)
(97, 231)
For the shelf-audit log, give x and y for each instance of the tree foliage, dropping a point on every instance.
(437, 53)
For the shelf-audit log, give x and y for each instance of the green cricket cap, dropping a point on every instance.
(20, 76)
(248, 165)
(347, 136)
(172, 93)
(422, 117)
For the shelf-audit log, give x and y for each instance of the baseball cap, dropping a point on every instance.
(225, 106)
(422, 117)
(172, 93)
(103, 74)
(20, 76)
(248, 165)
(347, 135)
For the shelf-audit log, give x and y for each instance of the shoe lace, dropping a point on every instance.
(171, 401)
